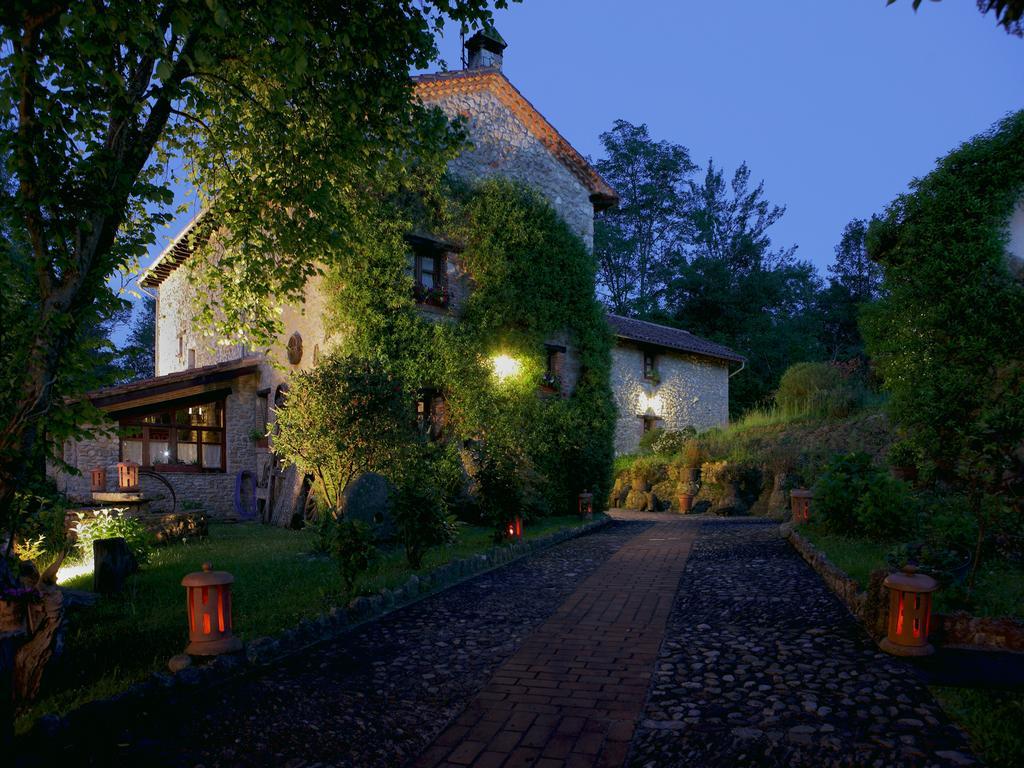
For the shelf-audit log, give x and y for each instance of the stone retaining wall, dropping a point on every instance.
(871, 606)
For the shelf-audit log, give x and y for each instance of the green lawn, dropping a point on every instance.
(998, 590)
(277, 582)
(994, 720)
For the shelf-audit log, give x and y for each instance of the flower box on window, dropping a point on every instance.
(551, 382)
(436, 296)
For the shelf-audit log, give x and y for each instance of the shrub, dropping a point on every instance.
(838, 491)
(109, 524)
(671, 441)
(352, 548)
(648, 438)
(817, 389)
(649, 470)
(421, 511)
(692, 453)
(854, 497)
(886, 509)
(501, 484)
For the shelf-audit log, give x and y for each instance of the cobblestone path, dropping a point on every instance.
(763, 666)
(572, 692)
(375, 697)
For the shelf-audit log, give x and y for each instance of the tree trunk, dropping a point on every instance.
(46, 620)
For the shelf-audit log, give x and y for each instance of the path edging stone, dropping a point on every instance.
(871, 606)
(163, 689)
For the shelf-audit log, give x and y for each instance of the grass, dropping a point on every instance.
(278, 581)
(993, 719)
(998, 588)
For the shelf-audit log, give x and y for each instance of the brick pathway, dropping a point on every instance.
(571, 694)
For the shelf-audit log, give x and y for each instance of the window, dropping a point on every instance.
(552, 379)
(185, 438)
(428, 270)
(191, 358)
(650, 369)
(431, 414)
(650, 422)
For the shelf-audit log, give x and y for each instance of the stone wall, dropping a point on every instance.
(214, 491)
(503, 146)
(693, 391)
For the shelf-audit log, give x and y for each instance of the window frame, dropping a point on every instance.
(650, 365)
(437, 294)
(135, 421)
(425, 412)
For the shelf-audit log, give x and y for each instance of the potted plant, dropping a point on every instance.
(551, 382)
(903, 458)
(259, 436)
(693, 457)
(687, 492)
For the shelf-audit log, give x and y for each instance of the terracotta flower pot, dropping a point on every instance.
(685, 503)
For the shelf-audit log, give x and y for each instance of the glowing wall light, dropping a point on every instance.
(505, 366)
(649, 405)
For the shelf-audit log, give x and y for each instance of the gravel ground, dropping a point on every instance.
(762, 665)
(377, 696)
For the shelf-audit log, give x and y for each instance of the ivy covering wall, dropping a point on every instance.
(531, 279)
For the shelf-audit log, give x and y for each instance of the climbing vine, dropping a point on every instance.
(531, 281)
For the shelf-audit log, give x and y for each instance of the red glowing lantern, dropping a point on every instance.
(128, 476)
(910, 607)
(209, 612)
(800, 502)
(99, 480)
(514, 529)
(586, 504)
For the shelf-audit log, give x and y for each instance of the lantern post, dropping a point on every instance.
(910, 606)
(586, 505)
(514, 529)
(209, 612)
(800, 502)
(99, 480)
(127, 476)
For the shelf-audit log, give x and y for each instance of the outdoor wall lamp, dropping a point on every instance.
(505, 366)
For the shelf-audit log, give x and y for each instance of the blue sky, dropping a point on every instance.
(835, 104)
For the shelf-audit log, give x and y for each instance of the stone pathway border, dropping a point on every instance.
(570, 696)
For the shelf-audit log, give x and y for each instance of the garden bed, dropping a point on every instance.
(278, 583)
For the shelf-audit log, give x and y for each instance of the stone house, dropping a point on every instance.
(198, 424)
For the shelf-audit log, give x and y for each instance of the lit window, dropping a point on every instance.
(185, 438)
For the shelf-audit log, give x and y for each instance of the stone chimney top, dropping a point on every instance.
(485, 49)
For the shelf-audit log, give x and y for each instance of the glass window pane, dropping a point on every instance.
(211, 456)
(131, 450)
(188, 453)
(159, 451)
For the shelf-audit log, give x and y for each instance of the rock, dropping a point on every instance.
(113, 562)
(179, 662)
(368, 500)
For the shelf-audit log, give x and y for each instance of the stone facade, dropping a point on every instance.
(504, 146)
(214, 491)
(693, 391)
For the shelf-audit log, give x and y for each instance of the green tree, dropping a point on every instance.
(854, 281)
(732, 286)
(946, 337)
(135, 359)
(344, 417)
(635, 241)
(288, 114)
(1009, 13)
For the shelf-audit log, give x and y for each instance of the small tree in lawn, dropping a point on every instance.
(344, 417)
(420, 508)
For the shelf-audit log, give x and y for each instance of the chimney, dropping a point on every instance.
(485, 49)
